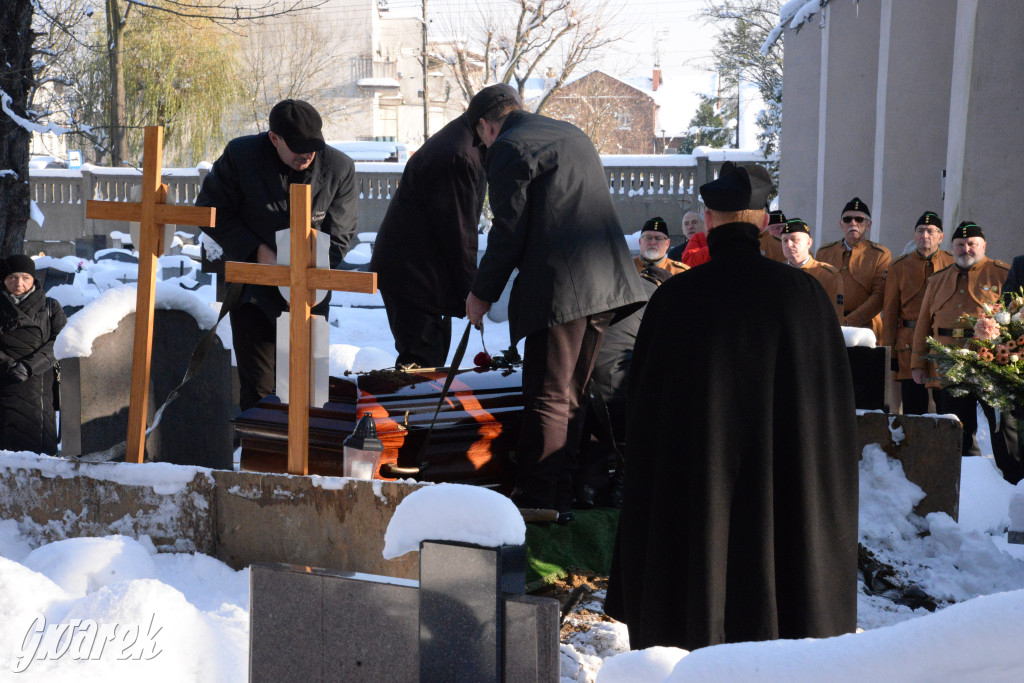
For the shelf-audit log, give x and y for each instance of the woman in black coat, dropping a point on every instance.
(29, 324)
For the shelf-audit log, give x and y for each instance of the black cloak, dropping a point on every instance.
(739, 520)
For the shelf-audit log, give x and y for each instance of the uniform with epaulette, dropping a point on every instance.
(657, 228)
(904, 291)
(949, 294)
(862, 267)
(824, 273)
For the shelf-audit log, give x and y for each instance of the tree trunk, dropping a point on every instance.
(117, 119)
(15, 80)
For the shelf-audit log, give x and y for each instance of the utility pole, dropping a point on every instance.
(426, 96)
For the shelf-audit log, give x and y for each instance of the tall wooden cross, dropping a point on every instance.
(153, 212)
(303, 280)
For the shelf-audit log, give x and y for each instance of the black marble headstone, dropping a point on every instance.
(51, 277)
(195, 429)
(872, 377)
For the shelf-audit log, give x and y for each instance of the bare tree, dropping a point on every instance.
(520, 39)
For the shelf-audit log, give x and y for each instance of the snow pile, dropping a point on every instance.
(103, 314)
(986, 633)
(1016, 510)
(652, 664)
(984, 496)
(453, 512)
(68, 264)
(859, 336)
(170, 617)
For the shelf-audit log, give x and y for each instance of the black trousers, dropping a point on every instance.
(254, 336)
(421, 336)
(1006, 446)
(557, 363)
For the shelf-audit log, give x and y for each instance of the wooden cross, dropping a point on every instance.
(153, 212)
(303, 280)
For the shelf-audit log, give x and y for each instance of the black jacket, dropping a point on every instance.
(554, 221)
(27, 333)
(1014, 279)
(741, 522)
(426, 246)
(248, 185)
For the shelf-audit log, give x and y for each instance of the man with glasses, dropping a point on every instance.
(959, 289)
(862, 264)
(904, 291)
(654, 247)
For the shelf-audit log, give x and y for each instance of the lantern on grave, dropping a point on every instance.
(362, 449)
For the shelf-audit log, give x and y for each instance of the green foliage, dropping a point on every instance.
(744, 27)
(708, 126)
(181, 75)
(991, 368)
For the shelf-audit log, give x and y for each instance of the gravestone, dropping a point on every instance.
(195, 429)
(466, 619)
(121, 255)
(872, 377)
(51, 277)
(87, 246)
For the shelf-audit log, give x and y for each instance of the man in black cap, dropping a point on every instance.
(654, 248)
(771, 237)
(862, 264)
(741, 523)
(426, 249)
(796, 245)
(904, 291)
(963, 288)
(554, 221)
(248, 185)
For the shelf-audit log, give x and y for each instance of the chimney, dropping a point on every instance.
(656, 79)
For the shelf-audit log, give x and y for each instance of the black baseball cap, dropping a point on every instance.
(299, 125)
(485, 100)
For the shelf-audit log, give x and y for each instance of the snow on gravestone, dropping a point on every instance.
(95, 351)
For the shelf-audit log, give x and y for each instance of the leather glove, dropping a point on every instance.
(18, 372)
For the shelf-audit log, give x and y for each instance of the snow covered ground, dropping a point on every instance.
(112, 609)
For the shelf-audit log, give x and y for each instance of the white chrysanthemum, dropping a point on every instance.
(1002, 317)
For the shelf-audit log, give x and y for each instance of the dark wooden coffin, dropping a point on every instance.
(476, 429)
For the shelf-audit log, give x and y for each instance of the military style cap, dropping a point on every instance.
(968, 229)
(485, 100)
(856, 204)
(656, 224)
(738, 188)
(299, 125)
(929, 218)
(795, 225)
(775, 217)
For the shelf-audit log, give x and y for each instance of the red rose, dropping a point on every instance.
(482, 360)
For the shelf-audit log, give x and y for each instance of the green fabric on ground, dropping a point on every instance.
(552, 550)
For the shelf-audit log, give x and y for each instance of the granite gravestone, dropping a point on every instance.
(465, 620)
(195, 429)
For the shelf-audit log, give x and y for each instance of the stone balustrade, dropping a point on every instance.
(641, 186)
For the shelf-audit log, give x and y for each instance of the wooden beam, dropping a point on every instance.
(342, 280)
(174, 214)
(256, 274)
(303, 244)
(150, 237)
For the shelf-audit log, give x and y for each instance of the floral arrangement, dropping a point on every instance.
(991, 365)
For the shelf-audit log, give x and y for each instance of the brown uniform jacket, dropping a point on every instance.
(904, 291)
(674, 267)
(863, 271)
(830, 279)
(949, 294)
(771, 246)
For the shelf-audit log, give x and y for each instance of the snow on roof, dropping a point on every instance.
(377, 83)
(453, 512)
(103, 314)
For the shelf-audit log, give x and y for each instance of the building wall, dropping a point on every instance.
(991, 127)
(846, 145)
(915, 75)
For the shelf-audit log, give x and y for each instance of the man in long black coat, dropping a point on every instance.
(554, 221)
(249, 186)
(426, 247)
(740, 515)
